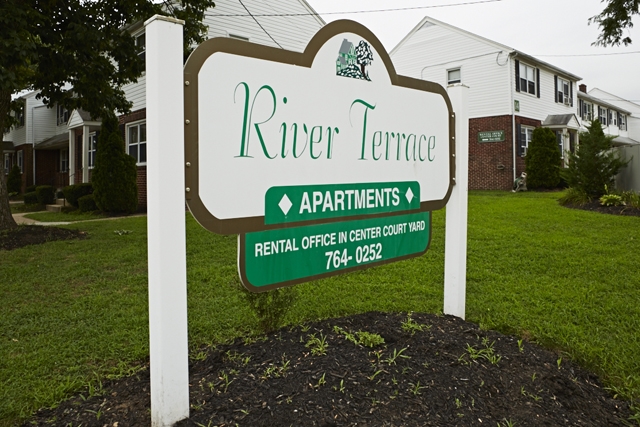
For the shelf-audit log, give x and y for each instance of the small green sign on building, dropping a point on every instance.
(491, 136)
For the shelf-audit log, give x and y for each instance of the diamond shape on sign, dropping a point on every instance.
(285, 204)
(409, 195)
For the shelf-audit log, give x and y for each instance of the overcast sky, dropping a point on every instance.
(537, 27)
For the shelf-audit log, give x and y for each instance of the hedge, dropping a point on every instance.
(46, 194)
(74, 192)
(87, 203)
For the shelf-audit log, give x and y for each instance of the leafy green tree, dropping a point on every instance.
(46, 44)
(594, 165)
(114, 174)
(614, 19)
(543, 160)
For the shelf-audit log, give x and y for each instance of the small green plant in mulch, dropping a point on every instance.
(486, 352)
(411, 326)
(271, 307)
(363, 338)
(318, 346)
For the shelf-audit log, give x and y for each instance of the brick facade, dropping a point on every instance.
(491, 163)
(141, 179)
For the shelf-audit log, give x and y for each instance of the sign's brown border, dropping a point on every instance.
(305, 59)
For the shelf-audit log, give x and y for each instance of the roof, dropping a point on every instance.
(591, 98)
(511, 51)
(345, 47)
(623, 140)
(7, 146)
(57, 141)
(558, 119)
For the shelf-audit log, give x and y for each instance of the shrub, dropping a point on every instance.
(115, 172)
(31, 198)
(594, 165)
(611, 200)
(270, 307)
(73, 192)
(14, 180)
(543, 160)
(631, 198)
(46, 194)
(87, 203)
(30, 189)
(59, 194)
(574, 196)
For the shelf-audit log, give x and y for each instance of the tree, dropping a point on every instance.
(594, 165)
(47, 44)
(364, 57)
(114, 175)
(616, 17)
(543, 160)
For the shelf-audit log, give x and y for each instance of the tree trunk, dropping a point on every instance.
(6, 219)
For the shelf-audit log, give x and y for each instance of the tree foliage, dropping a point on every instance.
(14, 180)
(114, 174)
(594, 165)
(543, 160)
(614, 19)
(47, 45)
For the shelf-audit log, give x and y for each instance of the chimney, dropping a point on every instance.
(583, 88)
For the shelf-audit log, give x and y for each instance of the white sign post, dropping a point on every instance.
(455, 246)
(168, 345)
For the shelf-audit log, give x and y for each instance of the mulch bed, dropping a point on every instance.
(25, 235)
(450, 373)
(595, 206)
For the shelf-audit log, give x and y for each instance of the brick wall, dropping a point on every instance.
(491, 163)
(141, 179)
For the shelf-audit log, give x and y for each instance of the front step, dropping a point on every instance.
(54, 208)
(60, 202)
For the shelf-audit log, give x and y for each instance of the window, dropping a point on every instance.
(586, 110)
(527, 79)
(21, 161)
(563, 91)
(622, 121)
(64, 160)
(526, 133)
(93, 144)
(453, 76)
(613, 117)
(141, 44)
(137, 142)
(20, 116)
(602, 115)
(7, 163)
(62, 115)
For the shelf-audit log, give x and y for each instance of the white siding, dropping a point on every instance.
(44, 121)
(432, 50)
(291, 32)
(539, 108)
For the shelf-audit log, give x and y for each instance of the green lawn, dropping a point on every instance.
(75, 312)
(71, 216)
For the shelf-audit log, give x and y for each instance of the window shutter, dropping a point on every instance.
(538, 81)
(517, 75)
(555, 88)
(619, 119)
(122, 134)
(571, 92)
(520, 140)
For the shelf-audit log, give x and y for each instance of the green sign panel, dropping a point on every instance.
(275, 258)
(491, 136)
(313, 202)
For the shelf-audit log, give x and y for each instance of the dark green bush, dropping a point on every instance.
(73, 192)
(115, 172)
(30, 189)
(59, 195)
(594, 165)
(31, 198)
(270, 307)
(46, 194)
(543, 160)
(87, 203)
(14, 180)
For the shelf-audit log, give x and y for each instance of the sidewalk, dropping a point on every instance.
(20, 219)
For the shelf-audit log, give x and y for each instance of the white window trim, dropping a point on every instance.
(90, 150)
(525, 128)
(535, 83)
(459, 70)
(127, 127)
(66, 168)
(6, 163)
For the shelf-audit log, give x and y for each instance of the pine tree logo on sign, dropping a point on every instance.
(352, 61)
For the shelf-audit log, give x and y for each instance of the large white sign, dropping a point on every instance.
(335, 114)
